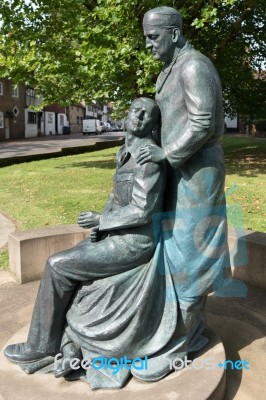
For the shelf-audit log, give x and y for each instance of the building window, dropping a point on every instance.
(1, 89)
(14, 91)
(50, 118)
(1, 119)
(61, 120)
(30, 92)
(32, 118)
(15, 111)
(78, 120)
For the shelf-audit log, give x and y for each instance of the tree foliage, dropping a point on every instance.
(94, 49)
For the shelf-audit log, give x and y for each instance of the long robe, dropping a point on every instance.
(189, 94)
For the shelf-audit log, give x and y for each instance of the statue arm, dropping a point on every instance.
(90, 219)
(200, 97)
(150, 153)
(148, 186)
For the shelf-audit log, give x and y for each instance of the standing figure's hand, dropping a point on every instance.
(88, 219)
(150, 152)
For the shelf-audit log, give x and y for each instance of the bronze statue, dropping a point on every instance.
(126, 227)
(137, 287)
(109, 285)
(189, 94)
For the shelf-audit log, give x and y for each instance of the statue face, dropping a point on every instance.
(139, 120)
(160, 41)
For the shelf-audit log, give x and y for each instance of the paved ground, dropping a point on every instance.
(49, 144)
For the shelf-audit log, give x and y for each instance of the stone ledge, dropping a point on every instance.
(29, 250)
(187, 384)
(248, 257)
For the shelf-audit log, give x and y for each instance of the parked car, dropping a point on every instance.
(91, 126)
(108, 127)
(115, 128)
(104, 127)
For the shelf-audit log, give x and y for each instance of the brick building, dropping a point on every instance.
(20, 119)
(12, 110)
(75, 115)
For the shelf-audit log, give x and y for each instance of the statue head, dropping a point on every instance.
(143, 117)
(163, 29)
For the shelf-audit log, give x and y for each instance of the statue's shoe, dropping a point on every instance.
(157, 368)
(22, 353)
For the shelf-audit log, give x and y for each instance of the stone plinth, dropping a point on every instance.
(187, 384)
(248, 257)
(29, 250)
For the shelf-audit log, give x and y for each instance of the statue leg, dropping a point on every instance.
(48, 319)
(63, 273)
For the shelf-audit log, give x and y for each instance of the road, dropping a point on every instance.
(50, 144)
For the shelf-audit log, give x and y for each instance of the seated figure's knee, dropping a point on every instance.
(59, 263)
(52, 263)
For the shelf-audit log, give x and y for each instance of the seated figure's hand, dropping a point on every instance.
(95, 235)
(88, 219)
(150, 152)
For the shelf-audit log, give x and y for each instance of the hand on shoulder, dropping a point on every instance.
(151, 153)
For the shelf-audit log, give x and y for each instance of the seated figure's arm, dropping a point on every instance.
(90, 219)
(147, 193)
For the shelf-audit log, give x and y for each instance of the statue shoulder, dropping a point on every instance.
(194, 64)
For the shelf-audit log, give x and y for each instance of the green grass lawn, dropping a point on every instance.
(53, 192)
(246, 179)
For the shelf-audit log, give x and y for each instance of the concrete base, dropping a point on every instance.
(29, 250)
(248, 256)
(187, 384)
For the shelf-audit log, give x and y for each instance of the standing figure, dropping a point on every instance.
(189, 94)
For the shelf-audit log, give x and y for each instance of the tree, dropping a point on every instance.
(94, 49)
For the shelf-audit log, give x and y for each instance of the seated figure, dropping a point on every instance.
(107, 294)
